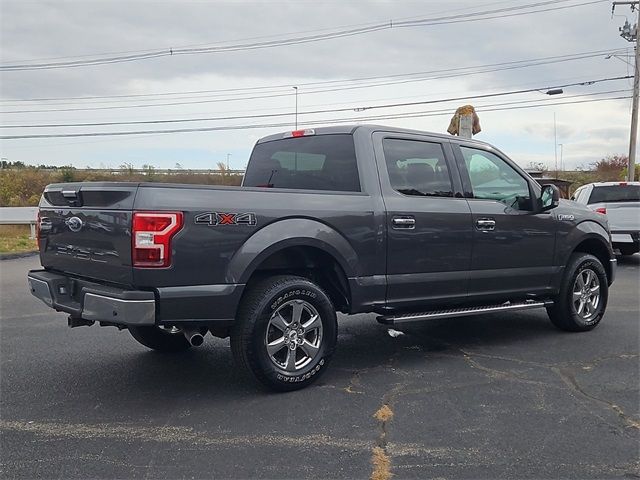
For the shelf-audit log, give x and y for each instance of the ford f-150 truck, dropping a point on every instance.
(405, 224)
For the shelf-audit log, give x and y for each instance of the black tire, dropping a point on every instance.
(256, 324)
(159, 339)
(564, 312)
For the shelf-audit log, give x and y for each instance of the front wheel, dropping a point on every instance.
(285, 332)
(582, 300)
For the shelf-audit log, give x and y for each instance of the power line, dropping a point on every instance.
(288, 124)
(467, 70)
(460, 18)
(288, 114)
(326, 29)
(437, 113)
(197, 102)
(273, 125)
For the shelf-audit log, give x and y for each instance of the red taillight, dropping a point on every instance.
(623, 184)
(601, 210)
(151, 237)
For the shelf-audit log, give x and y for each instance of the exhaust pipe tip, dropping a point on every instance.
(193, 336)
(196, 340)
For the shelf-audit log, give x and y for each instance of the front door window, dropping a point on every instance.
(494, 179)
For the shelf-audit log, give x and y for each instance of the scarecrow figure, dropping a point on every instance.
(465, 122)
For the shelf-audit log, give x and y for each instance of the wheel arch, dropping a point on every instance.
(298, 246)
(593, 238)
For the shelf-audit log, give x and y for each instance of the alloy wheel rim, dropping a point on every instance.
(586, 294)
(294, 335)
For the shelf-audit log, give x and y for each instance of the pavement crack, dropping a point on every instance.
(579, 392)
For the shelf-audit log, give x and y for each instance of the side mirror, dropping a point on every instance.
(550, 197)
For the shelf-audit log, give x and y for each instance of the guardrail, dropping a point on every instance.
(146, 171)
(20, 216)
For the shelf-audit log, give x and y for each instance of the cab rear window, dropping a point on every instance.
(615, 193)
(322, 162)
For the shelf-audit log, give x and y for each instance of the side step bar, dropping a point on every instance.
(462, 312)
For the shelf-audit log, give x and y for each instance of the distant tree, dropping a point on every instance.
(18, 164)
(128, 167)
(610, 168)
(67, 174)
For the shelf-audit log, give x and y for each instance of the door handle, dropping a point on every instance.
(403, 222)
(486, 224)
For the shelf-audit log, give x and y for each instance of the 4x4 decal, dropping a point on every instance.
(218, 218)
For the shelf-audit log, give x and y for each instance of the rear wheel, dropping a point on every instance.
(583, 295)
(285, 332)
(161, 339)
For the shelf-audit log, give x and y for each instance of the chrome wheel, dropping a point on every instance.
(586, 294)
(294, 335)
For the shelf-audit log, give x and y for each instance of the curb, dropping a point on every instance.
(12, 256)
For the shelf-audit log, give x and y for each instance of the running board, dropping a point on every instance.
(462, 312)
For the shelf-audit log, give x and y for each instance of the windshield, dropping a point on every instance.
(615, 193)
(322, 162)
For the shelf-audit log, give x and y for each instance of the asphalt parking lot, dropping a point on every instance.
(495, 396)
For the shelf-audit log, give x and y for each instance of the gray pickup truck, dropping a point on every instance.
(406, 224)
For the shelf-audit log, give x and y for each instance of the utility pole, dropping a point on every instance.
(631, 35)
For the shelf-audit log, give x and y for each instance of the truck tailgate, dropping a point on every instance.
(85, 229)
(623, 216)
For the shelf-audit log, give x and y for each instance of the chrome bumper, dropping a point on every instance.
(91, 301)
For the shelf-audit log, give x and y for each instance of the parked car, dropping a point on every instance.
(406, 224)
(620, 202)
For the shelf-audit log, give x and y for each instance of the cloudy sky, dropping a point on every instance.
(424, 62)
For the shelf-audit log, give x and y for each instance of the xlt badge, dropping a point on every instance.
(218, 218)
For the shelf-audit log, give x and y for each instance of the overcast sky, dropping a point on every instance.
(66, 30)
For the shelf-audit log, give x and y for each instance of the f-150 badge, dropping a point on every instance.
(218, 218)
(566, 217)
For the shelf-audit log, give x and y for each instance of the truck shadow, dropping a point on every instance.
(201, 375)
(209, 372)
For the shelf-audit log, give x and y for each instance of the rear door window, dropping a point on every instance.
(322, 162)
(417, 168)
(615, 193)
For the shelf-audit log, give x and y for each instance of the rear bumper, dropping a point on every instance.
(92, 301)
(628, 237)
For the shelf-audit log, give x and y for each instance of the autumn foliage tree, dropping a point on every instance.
(610, 168)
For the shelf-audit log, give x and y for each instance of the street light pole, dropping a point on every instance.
(561, 164)
(555, 142)
(228, 155)
(296, 89)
